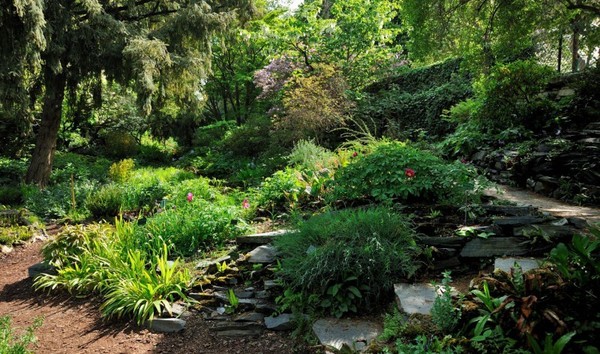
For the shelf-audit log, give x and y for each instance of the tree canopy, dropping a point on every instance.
(164, 47)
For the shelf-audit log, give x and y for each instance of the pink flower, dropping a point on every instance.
(463, 160)
(409, 172)
(190, 197)
(355, 154)
(245, 204)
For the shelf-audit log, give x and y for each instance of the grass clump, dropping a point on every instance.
(10, 344)
(344, 260)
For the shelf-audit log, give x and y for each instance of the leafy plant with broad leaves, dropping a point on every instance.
(394, 171)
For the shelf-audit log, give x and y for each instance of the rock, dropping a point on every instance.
(265, 307)
(208, 263)
(271, 284)
(238, 329)
(356, 334)
(263, 238)
(495, 246)
(6, 249)
(479, 155)
(442, 241)
(446, 264)
(263, 254)
(249, 317)
(244, 294)
(166, 325)
(566, 91)
(551, 232)
(415, 298)
(283, 322)
(518, 220)
(508, 263)
(579, 223)
(40, 268)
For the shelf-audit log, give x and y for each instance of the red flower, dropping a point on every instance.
(409, 172)
(245, 204)
(190, 197)
(355, 154)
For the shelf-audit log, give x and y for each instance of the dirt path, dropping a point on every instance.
(552, 206)
(74, 326)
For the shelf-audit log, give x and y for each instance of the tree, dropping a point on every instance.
(161, 45)
(487, 31)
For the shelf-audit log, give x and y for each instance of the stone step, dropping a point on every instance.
(352, 334)
(262, 238)
(415, 298)
(263, 254)
(508, 263)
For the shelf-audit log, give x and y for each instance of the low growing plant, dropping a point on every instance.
(11, 344)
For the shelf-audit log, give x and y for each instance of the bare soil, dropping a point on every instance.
(74, 325)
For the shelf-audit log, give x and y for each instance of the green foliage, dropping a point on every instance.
(56, 200)
(120, 144)
(425, 345)
(579, 261)
(106, 201)
(510, 96)
(153, 151)
(195, 226)
(444, 313)
(130, 271)
(348, 259)
(396, 171)
(282, 191)
(210, 135)
(313, 105)
(11, 195)
(308, 156)
(10, 344)
(121, 171)
(14, 234)
(81, 167)
(415, 100)
(147, 292)
(550, 347)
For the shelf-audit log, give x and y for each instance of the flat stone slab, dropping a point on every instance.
(166, 325)
(263, 238)
(238, 329)
(263, 254)
(526, 264)
(548, 231)
(495, 246)
(206, 263)
(415, 298)
(355, 334)
(518, 220)
(283, 322)
(249, 317)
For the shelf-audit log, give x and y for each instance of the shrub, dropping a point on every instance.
(80, 167)
(394, 171)
(194, 226)
(282, 191)
(11, 195)
(308, 156)
(12, 234)
(348, 259)
(121, 144)
(153, 151)
(106, 201)
(210, 135)
(56, 200)
(121, 171)
(9, 344)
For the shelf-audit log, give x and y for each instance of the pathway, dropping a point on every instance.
(545, 204)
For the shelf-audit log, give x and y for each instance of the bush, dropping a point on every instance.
(81, 167)
(210, 135)
(121, 171)
(12, 234)
(347, 259)
(197, 225)
(121, 144)
(308, 156)
(56, 200)
(106, 201)
(283, 191)
(11, 195)
(397, 172)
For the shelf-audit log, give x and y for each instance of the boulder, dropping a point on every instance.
(354, 334)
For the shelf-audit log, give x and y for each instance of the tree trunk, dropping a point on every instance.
(45, 143)
(575, 45)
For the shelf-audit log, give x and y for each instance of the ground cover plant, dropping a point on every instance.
(11, 343)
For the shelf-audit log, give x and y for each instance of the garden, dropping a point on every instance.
(147, 146)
